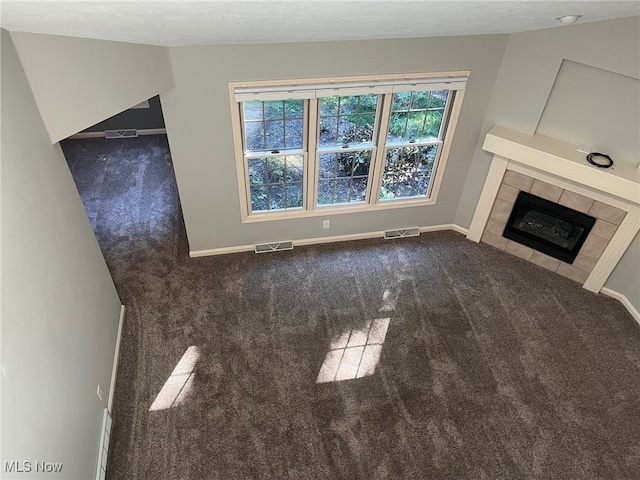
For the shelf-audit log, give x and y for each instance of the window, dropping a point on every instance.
(413, 138)
(345, 146)
(332, 146)
(274, 139)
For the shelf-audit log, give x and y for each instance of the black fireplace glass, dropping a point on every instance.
(548, 227)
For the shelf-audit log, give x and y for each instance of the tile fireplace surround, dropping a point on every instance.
(556, 171)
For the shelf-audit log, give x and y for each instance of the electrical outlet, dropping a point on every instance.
(99, 392)
(326, 224)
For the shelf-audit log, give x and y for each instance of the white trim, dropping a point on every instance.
(241, 174)
(114, 370)
(338, 209)
(487, 197)
(621, 240)
(376, 170)
(319, 240)
(221, 251)
(624, 300)
(338, 238)
(361, 85)
(103, 447)
(311, 171)
(144, 131)
(447, 226)
(563, 160)
(437, 173)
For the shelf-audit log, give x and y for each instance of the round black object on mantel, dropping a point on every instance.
(600, 160)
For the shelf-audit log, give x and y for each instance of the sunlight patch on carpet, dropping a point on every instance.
(354, 353)
(177, 387)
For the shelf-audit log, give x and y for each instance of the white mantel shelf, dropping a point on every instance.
(562, 159)
(560, 163)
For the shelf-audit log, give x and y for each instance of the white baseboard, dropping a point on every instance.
(319, 240)
(221, 251)
(448, 226)
(112, 387)
(338, 238)
(144, 131)
(624, 300)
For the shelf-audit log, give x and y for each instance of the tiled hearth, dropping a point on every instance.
(608, 220)
(556, 171)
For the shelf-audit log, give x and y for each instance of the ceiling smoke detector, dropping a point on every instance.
(568, 19)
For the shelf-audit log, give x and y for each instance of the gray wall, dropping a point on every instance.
(60, 309)
(581, 110)
(78, 82)
(198, 121)
(527, 75)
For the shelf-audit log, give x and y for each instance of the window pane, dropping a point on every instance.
(438, 99)
(325, 192)
(275, 135)
(401, 101)
(368, 103)
(348, 104)
(407, 172)
(275, 170)
(416, 116)
(294, 195)
(259, 199)
(276, 197)
(359, 189)
(295, 167)
(434, 120)
(294, 109)
(254, 136)
(415, 124)
(343, 186)
(328, 131)
(273, 125)
(420, 100)
(252, 110)
(276, 183)
(347, 120)
(274, 109)
(361, 162)
(293, 137)
(257, 171)
(329, 106)
(343, 177)
(328, 165)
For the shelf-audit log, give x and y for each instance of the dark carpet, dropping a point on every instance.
(491, 367)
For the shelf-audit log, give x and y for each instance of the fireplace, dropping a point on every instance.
(557, 172)
(548, 227)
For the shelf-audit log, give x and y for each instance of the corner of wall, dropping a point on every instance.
(78, 82)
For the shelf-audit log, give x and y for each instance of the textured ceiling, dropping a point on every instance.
(188, 22)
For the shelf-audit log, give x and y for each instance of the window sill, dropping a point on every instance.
(338, 210)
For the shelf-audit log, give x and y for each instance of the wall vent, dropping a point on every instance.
(105, 435)
(274, 247)
(402, 232)
(131, 133)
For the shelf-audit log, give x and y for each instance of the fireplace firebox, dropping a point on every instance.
(548, 227)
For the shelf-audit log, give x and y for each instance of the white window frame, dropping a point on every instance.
(312, 89)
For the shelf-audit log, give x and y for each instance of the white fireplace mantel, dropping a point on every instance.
(560, 163)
